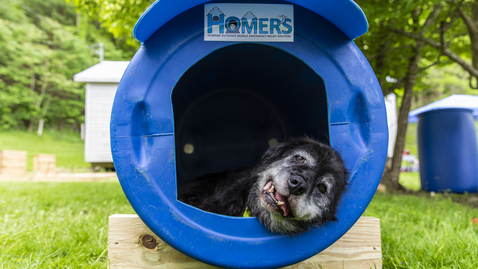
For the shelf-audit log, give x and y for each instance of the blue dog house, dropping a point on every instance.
(213, 85)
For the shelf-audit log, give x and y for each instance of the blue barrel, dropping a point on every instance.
(448, 150)
(227, 99)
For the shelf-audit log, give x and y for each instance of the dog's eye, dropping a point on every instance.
(322, 188)
(299, 159)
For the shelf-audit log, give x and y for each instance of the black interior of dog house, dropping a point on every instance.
(236, 102)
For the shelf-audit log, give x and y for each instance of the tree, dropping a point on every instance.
(398, 61)
(118, 16)
(455, 36)
(39, 57)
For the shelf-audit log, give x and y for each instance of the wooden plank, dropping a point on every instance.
(12, 172)
(359, 248)
(13, 162)
(44, 164)
(46, 157)
(13, 154)
(17, 158)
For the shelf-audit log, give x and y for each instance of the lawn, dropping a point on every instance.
(64, 225)
(426, 232)
(411, 139)
(57, 225)
(68, 147)
(410, 180)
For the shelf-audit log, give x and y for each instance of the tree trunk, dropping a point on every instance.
(78, 22)
(392, 169)
(472, 26)
(31, 123)
(40, 98)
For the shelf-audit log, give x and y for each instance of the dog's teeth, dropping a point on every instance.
(280, 203)
(271, 189)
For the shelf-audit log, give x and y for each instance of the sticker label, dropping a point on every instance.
(249, 22)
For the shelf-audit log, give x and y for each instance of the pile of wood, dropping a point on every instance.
(44, 164)
(14, 162)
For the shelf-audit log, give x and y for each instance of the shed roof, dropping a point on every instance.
(106, 71)
(454, 101)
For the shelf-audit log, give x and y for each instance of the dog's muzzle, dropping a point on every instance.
(276, 201)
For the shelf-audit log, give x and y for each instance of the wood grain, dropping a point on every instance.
(44, 164)
(13, 162)
(359, 248)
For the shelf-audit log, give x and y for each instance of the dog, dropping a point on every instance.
(297, 184)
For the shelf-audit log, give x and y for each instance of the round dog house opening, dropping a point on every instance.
(237, 101)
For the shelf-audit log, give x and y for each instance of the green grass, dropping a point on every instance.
(410, 180)
(68, 147)
(426, 232)
(57, 225)
(64, 225)
(411, 139)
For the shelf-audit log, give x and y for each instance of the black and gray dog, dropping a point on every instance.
(298, 184)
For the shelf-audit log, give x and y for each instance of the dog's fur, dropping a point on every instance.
(308, 179)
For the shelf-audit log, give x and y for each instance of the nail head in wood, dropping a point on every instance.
(148, 241)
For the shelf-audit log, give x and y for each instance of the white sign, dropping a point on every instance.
(249, 22)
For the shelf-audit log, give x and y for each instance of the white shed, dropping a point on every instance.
(101, 83)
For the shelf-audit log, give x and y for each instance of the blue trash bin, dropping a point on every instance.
(188, 106)
(448, 150)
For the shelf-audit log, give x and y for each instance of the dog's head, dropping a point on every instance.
(299, 185)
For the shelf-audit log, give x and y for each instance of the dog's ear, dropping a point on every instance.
(276, 152)
(273, 153)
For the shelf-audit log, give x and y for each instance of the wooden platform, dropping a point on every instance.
(13, 162)
(132, 245)
(44, 164)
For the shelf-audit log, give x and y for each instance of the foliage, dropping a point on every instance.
(441, 82)
(415, 48)
(118, 16)
(388, 52)
(398, 61)
(454, 36)
(42, 48)
(392, 33)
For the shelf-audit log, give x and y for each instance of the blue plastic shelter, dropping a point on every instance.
(454, 101)
(187, 106)
(448, 150)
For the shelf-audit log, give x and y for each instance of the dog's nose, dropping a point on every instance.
(296, 185)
